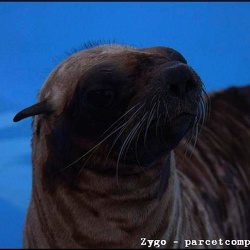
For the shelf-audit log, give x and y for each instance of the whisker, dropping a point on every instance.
(105, 132)
(158, 118)
(186, 145)
(152, 101)
(86, 162)
(158, 107)
(125, 126)
(195, 136)
(93, 148)
(197, 125)
(97, 145)
(131, 133)
(150, 118)
(208, 104)
(156, 129)
(136, 142)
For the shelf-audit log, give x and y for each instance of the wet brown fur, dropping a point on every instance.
(205, 196)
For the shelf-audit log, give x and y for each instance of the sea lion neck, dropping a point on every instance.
(124, 214)
(128, 180)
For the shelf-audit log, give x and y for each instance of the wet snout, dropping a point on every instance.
(179, 79)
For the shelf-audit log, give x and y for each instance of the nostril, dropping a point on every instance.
(180, 79)
(180, 87)
(177, 89)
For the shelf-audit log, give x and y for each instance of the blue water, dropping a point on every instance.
(213, 37)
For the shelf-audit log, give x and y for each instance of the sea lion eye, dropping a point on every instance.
(100, 98)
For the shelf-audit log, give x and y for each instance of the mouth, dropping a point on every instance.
(178, 127)
(174, 122)
(158, 139)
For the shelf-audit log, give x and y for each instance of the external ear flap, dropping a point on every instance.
(37, 109)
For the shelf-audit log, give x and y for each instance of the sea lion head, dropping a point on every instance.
(115, 104)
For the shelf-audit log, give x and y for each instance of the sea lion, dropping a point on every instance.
(105, 128)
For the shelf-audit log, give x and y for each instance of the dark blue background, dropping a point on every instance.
(213, 37)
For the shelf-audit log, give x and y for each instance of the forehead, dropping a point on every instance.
(123, 53)
(110, 58)
(120, 56)
(115, 60)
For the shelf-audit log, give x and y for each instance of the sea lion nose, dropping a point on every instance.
(179, 79)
